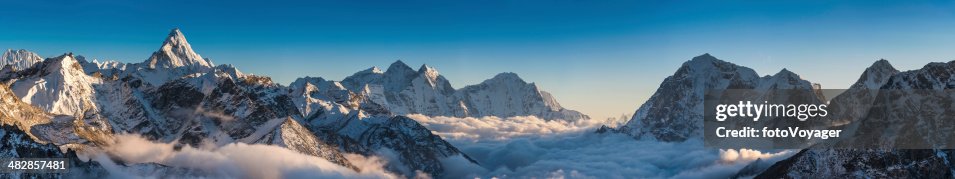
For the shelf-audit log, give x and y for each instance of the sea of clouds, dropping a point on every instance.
(514, 147)
(132, 156)
(529, 147)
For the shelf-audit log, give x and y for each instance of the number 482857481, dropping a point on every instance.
(36, 165)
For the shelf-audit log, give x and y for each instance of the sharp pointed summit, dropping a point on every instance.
(786, 73)
(705, 57)
(707, 62)
(428, 71)
(398, 66)
(398, 76)
(875, 75)
(882, 63)
(425, 68)
(176, 52)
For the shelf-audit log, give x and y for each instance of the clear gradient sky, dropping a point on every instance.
(601, 57)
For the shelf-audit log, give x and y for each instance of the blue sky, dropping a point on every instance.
(600, 57)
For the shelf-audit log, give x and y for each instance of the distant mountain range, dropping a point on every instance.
(675, 113)
(65, 105)
(176, 95)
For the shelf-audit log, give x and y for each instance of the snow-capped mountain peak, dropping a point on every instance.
(58, 85)
(62, 63)
(402, 90)
(704, 61)
(506, 95)
(935, 75)
(876, 75)
(399, 67)
(429, 73)
(373, 69)
(675, 111)
(398, 76)
(704, 66)
(176, 52)
(786, 73)
(508, 77)
(176, 96)
(19, 59)
(784, 79)
(882, 63)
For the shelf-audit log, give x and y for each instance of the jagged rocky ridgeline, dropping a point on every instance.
(875, 163)
(19, 59)
(674, 113)
(176, 95)
(400, 90)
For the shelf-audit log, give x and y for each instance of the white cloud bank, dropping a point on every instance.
(528, 147)
(517, 147)
(499, 129)
(235, 160)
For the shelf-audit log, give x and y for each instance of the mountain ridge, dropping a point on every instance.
(19, 59)
(675, 111)
(176, 96)
(401, 90)
(867, 92)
